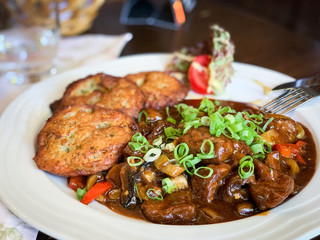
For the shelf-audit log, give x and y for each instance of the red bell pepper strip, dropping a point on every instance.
(290, 150)
(77, 182)
(95, 191)
(301, 144)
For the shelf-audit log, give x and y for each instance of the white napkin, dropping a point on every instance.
(72, 52)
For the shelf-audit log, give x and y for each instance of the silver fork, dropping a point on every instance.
(291, 99)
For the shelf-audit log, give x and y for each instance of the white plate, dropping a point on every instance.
(44, 200)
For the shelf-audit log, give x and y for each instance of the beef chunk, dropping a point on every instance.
(206, 188)
(224, 148)
(271, 186)
(174, 208)
(286, 127)
(236, 189)
(273, 160)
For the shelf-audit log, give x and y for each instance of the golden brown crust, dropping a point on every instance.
(159, 88)
(105, 91)
(82, 140)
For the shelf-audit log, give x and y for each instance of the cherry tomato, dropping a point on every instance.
(198, 74)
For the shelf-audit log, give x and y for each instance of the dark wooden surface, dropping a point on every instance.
(258, 41)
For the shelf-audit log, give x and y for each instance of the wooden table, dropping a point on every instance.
(257, 41)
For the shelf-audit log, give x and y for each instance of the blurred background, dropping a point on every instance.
(300, 16)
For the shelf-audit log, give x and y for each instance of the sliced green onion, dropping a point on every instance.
(267, 147)
(230, 118)
(257, 148)
(145, 148)
(192, 162)
(172, 133)
(267, 123)
(226, 109)
(189, 114)
(228, 132)
(81, 192)
(139, 143)
(250, 124)
(134, 163)
(203, 145)
(152, 154)
(205, 121)
(145, 114)
(239, 118)
(246, 167)
(158, 141)
(187, 158)
(237, 127)
(195, 123)
(172, 120)
(154, 194)
(204, 176)
(210, 153)
(168, 186)
(189, 164)
(206, 105)
(138, 137)
(181, 107)
(134, 146)
(169, 118)
(181, 151)
(257, 119)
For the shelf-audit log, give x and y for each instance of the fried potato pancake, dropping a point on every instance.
(105, 91)
(82, 139)
(159, 88)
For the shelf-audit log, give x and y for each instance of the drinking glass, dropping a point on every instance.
(29, 36)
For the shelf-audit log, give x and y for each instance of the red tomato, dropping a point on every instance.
(199, 74)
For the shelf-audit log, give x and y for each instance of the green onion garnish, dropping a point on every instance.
(181, 151)
(205, 121)
(158, 141)
(139, 143)
(81, 193)
(206, 105)
(169, 118)
(246, 167)
(267, 123)
(145, 115)
(210, 153)
(134, 163)
(204, 176)
(257, 119)
(168, 186)
(172, 133)
(152, 154)
(134, 146)
(154, 194)
(188, 163)
(180, 107)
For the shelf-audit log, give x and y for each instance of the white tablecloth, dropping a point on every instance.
(72, 52)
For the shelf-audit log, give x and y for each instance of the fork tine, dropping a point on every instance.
(287, 101)
(291, 106)
(290, 98)
(278, 100)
